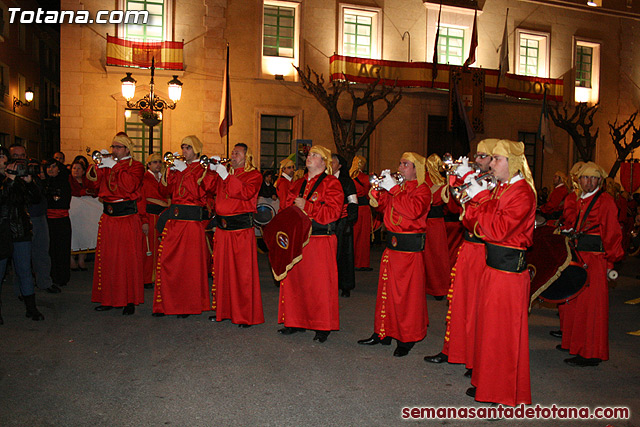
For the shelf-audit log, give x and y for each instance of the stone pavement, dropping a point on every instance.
(81, 367)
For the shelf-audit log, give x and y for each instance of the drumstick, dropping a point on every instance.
(148, 249)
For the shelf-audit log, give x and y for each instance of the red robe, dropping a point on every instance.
(362, 227)
(182, 285)
(401, 306)
(236, 281)
(309, 293)
(501, 353)
(117, 274)
(282, 189)
(436, 250)
(455, 230)
(555, 202)
(585, 329)
(150, 242)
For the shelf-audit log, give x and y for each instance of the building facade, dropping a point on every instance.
(593, 51)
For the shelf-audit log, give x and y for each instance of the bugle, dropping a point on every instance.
(206, 161)
(169, 158)
(449, 165)
(460, 192)
(97, 157)
(376, 180)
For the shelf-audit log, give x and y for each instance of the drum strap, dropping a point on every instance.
(586, 213)
(315, 186)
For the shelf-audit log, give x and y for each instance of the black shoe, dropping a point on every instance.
(158, 314)
(345, 294)
(1, 321)
(213, 319)
(244, 325)
(559, 347)
(129, 309)
(289, 331)
(103, 308)
(557, 334)
(53, 289)
(582, 361)
(471, 392)
(182, 316)
(439, 297)
(148, 285)
(321, 336)
(83, 268)
(75, 269)
(438, 358)
(32, 310)
(375, 339)
(400, 351)
(469, 373)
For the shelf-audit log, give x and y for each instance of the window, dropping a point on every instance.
(139, 134)
(532, 54)
(279, 31)
(361, 125)
(530, 140)
(276, 135)
(360, 32)
(451, 46)
(4, 81)
(587, 71)
(153, 30)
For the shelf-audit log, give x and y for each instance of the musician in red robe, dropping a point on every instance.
(236, 281)
(436, 251)
(552, 210)
(287, 167)
(401, 306)
(585, 331)
(459, 339)
(309, 292)
(504, 218)
(362, 228)
(182, 286)
(152, 203)
(117, 274)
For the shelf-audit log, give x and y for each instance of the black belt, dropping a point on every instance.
(406, 242)
(182, 213)
(127, 207)
(452, 218)
(235, 222)
(505, 259)
(472, 238)
(436, 212)
(318, 229)
(363, 201)
(589, 243)
(154, 209)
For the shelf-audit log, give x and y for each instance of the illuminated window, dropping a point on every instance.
(584, 56)
(451, 46)
(153, 30)
(279, 31)
(532, 54)
(360, 32)
(276, 135)
(587, 70)
(139, 134)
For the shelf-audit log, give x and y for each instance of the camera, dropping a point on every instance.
(24, 168)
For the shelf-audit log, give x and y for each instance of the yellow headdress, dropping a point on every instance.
(514, 151)
(122, 138)
(286, 163)
(593, 169)
(434, 164)
(357, 165)
(486, 145)
(325, 153)
(419, 162)
(193, 142)
(154, 157)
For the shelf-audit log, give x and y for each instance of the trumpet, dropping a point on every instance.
(97, 157)
(460, 192)
(169, 158)
(206, 161)
(376, 180)
(449, 165)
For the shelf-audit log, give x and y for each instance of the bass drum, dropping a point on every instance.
(571, 282)
(266, 209)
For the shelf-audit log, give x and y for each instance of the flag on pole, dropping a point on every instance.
(434, 73)
(544, 131)
(226, 119)
(462, 112)
(504, 50)
(474, 42)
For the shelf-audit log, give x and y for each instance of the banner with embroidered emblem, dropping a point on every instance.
(285, 236)
(128, 53)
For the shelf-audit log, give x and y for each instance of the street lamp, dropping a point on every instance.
(28, 96)
(151, 104)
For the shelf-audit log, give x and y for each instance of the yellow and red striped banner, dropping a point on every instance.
(420, 74)
(127, 53)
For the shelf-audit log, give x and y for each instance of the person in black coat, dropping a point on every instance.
(57, 191)
(344, 228)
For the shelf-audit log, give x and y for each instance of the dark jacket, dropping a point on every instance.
(15, 197)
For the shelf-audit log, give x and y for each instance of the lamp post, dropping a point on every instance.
(28, 96)
(151, 103)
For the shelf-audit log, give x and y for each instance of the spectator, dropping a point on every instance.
(57, 191)
(84, 214)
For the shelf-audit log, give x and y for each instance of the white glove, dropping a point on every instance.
(216, 158)
(104, 151)
(387, 181)
(476, 188)
(464, 167)
(221, 170)
(179, 165)
(107, 162)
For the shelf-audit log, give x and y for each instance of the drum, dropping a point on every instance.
(540, 220)
(557, 275)
(285, 237)
(266, 209)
